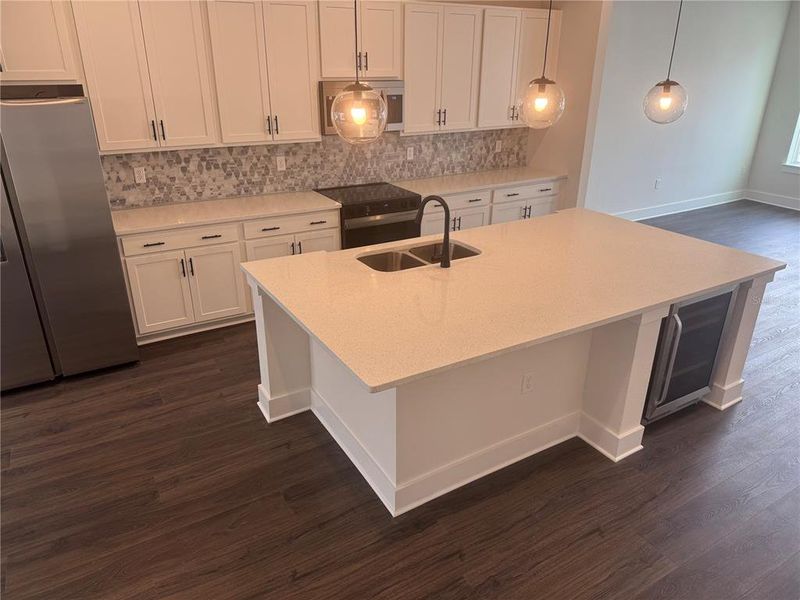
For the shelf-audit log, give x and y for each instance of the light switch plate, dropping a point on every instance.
(281, 160)
(139, 175)
(498, 145)
(410, 153)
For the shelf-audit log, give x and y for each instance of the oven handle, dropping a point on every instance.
(375, 220)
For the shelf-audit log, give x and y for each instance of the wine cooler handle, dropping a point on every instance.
(673, 353)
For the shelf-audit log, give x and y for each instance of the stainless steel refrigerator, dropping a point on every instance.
(63, 304)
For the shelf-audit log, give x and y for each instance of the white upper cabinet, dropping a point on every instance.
(176, 54)
(501, 40)
(442, 60)
(381, 32)
(423, 66)
(380, 39)
(115, 65)
(147, 71)
(35, 42)
(240, 66)
(531, 52)
(461, 55)
(291, 33)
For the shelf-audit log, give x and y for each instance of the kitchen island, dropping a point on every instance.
(429, 378)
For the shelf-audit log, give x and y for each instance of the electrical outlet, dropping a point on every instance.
(657, 184)
(527, 383)
(281, 160)
(139, 175)
(498, 145)
(410, 153)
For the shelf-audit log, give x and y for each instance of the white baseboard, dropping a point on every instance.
(196, 328)
(723, 397)
(487, 460)
(275, 409)
(612, 445)
(682, 206)
(773, 199)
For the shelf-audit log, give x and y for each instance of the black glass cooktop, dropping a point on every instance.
(372, 199)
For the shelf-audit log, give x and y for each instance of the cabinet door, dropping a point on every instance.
(509, 211)
(216, 282)
(543, 206)
(240, 65)
(468, 218)
(337, 47)
(461, 49)
(433, 223)
(314, 241)
(381, 39)
(291, 31)
(501, 33)
(35, 42)
(178, 62)
(531, 50)
(423, 66)
(160, 291)
(271, 247)
(115, 64)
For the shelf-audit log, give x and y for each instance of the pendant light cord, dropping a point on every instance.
(355, 35)
(547, 37)
(674, 39)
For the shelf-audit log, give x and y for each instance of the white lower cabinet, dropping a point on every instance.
(160, 291)
(173, 289)
(216, 282)
(286, 245)
(465, 218)
(519, 210)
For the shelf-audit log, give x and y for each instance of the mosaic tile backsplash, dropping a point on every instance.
(208, 173)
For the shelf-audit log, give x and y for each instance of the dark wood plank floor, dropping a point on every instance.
(162, 480)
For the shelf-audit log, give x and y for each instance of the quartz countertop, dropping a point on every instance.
(535, 280)
(183, 214)
(470, 182)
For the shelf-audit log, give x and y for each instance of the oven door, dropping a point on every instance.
(377, 229)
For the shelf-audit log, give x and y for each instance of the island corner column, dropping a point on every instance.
(727, 382)
(284, 359)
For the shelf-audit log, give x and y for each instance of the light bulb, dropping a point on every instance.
(359, 115)
(543, 104)
(665, 102)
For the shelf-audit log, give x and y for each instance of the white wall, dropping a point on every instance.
(725, 59)
(769, 181)
(560, 148)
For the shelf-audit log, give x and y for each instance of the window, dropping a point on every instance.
(793, 159)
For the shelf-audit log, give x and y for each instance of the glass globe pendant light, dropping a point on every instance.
(544, 100)
(666, 101)
(358, 112)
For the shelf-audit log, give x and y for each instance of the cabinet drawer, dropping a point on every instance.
(291, 224)
(465, 200)
(159, 241)
(521, 192)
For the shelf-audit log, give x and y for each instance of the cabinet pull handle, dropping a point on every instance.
(277, 130)
(300, 247)
(317, 222)
(358, 61)
(191, 267)
(183, 268)
(524, 212)
(270, 228)
(545, 189)
(269, 124)
(459, 223)
(474, 199)
(163, 131)
(153, 126)
(454, 224)
(292, 248)
(151, 244)
(366, 61)
(528, 210)
(444, 115)
(211, 237)
(439, 117)
(512, 195)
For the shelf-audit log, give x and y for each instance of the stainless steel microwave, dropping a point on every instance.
(391, 90)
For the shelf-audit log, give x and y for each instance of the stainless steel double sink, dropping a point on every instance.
(415, 256)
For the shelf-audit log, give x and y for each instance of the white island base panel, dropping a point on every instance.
(423, 438)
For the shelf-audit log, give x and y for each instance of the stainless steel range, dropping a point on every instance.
(374, 213)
